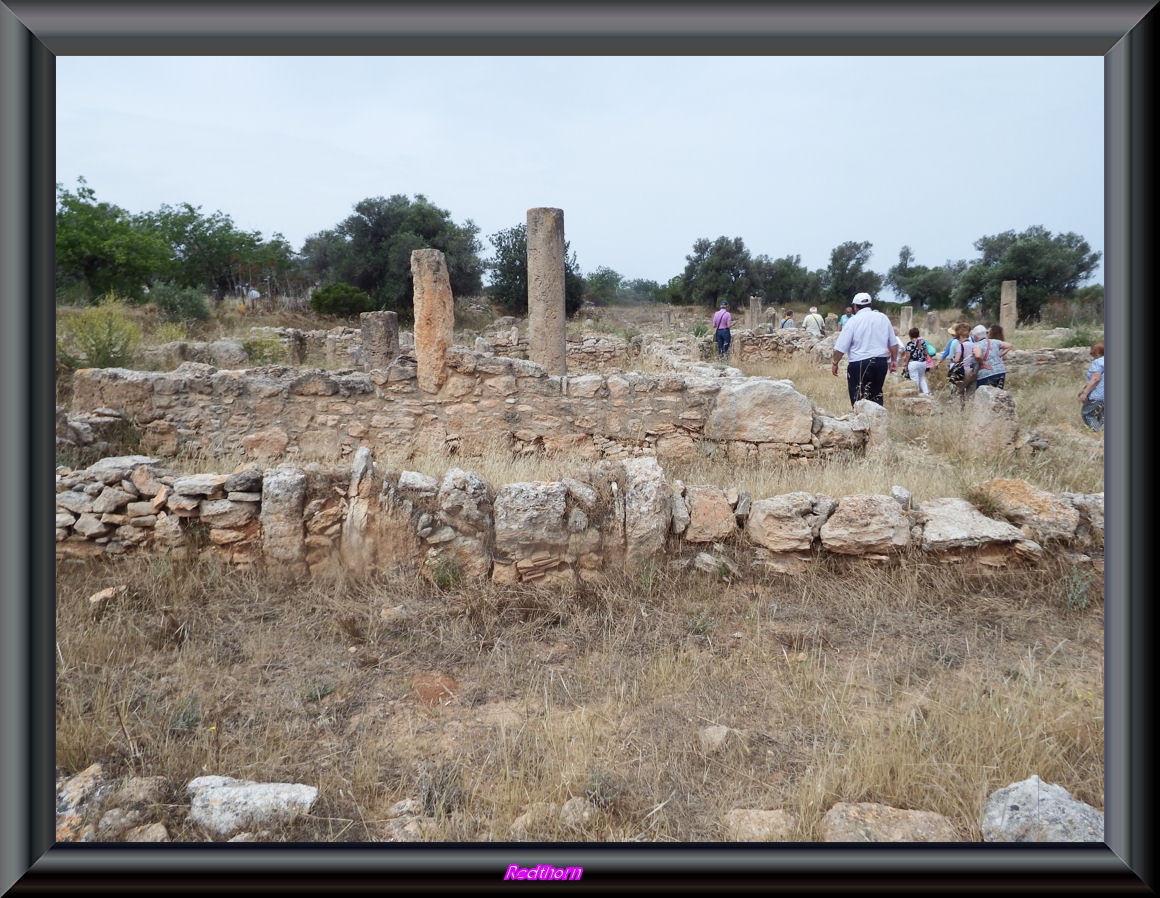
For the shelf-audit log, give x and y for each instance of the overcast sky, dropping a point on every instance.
(645, 155)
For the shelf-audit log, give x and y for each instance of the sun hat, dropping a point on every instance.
(952, 331)
(861, 299)
(978, 332)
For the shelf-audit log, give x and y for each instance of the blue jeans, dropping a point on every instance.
(1092, 412)
(724, 341)
(865, 379)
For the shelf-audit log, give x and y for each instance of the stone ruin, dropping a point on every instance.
(442, 398)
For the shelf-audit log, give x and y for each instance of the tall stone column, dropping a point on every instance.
(380, 338)
(547, 316)
(434, 318)
(1008, 310)
(754, 312)
(905, 317)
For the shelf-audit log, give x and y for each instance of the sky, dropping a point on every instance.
(644, 155)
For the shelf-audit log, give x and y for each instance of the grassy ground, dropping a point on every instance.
(920, 685)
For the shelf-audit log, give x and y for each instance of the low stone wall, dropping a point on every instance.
(342, 347)
(613, 517)
(485, 401)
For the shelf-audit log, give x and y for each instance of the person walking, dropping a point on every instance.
(960, 366)
(1092, 394)
(722, 324)
(990, 351)
(813, 323)
(846, 316)
(787, 321)
(914, 357)
(869, 342)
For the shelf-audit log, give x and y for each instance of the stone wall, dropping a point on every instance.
(588, 352)
(613, 517)
(485, 401)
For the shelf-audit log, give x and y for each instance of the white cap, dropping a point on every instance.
(861, 299)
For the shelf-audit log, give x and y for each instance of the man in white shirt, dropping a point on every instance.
(813, 323)
(872, 347)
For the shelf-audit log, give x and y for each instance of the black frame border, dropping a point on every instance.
(32, 33)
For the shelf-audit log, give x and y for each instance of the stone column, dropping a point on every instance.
(754, 312)
(283, 532)
(1008, 311)
(380, 338)
(905, 317)
(547, 335)
(667, 319)
(434, 318)
(932, 325)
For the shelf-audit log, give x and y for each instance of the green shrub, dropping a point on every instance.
(179, 303)
(445, 573)
(170, 332)
(340, 299)
(265, 349)
(1080, 336)
(101, 336)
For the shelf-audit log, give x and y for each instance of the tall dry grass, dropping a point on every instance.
(912, 684)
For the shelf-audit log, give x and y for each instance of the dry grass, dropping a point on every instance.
(916, 684)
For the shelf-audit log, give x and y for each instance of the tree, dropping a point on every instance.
(602, 287)
(101, 249)
(509, 273)
(1042, 265)
(927, 288)
(786, 280)
(640, 290)
(210, 252)
(848, 275)
(371, 249)
(718, 270)
(340, 299)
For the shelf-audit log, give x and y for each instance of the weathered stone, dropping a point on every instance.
(1035, 811)
(547, 334)
(1039, 514)
(283, 501)
(869, 822)
(205, 485)
(759, 410)
(866, 525)
(756, 825)
(711, 516)
(786, 523)
(224, 806)
(434, 317)
(380, 336)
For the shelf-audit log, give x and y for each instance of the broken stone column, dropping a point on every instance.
(380, 339)
(905, 317)
(283, 534)
(932, 325)
(1008, 311)
(666, 319)
(547, 336)
(754, 312)
(434, 318)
